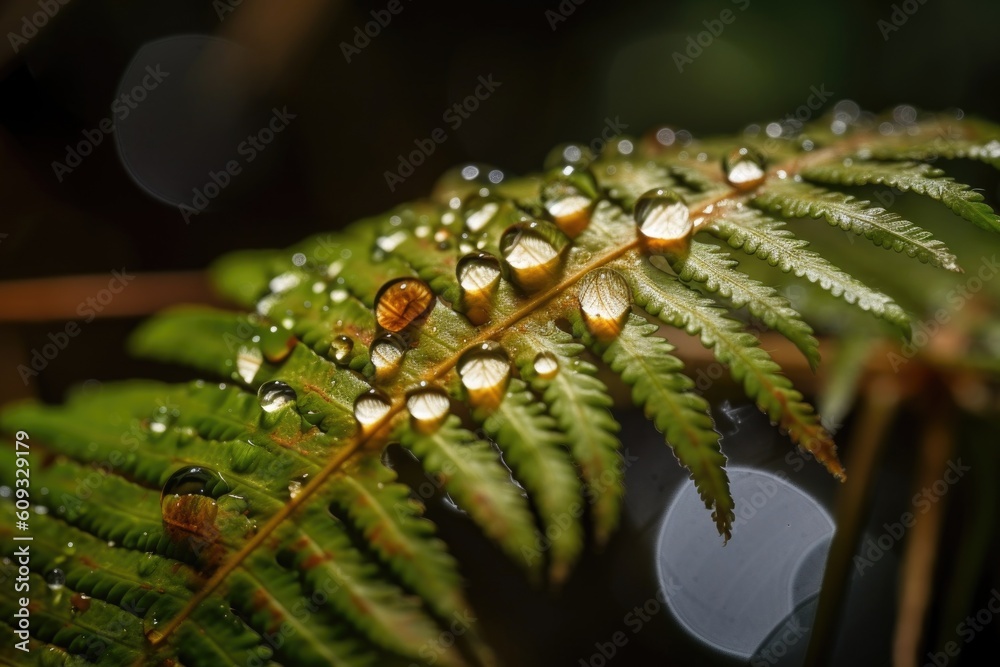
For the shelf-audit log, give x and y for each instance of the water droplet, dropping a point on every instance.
(340, 350)
(428, 407)
(569, 196)
(295, 486)
(605, 302)
(664, 222)
(386, 353)
(275, 395)
(478, 276)
(79, 602)
(465, 179)
(248, 362)
(55, 579)
(571, 155)
(744, 168)
(532, 252)
(403, 302)
(195, 481)
(370, 408)
(160, 422)
(485, 371)
(480, 211)
(546, 365)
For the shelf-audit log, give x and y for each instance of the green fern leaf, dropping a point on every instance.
(201, 517)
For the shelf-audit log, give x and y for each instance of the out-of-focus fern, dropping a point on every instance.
(254, 521)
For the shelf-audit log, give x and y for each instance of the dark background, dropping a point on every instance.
(605, 60)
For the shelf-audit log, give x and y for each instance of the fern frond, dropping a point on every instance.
(910, 177)
(751, 366)
(881, 227)
(770, 240)
(440, 326)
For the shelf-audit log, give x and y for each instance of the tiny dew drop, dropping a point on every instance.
(428, 408)
(664, 222)
(478, 276)
(275, 395)
(55, 579)
(569, 155)
(485, 372)
(546, 365)
(605, 302)
(532, 253)
(403, 302)
(295, 486)
(370, 408)
(340, 350)
(744, 168)
(386, 353)
(569, 196)
(160, 422)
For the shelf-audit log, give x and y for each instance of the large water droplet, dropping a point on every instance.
(403, 302)
(370, 408)
(605, 302)
(195, 481)
(532, 251)
(386, 353)
(340, 350)
(744, 168)
(428, 407)
(569, 196)
(478, 275)
(546, 365)
(485, 372)
(275, 395)
(664, 222)
(55, 579)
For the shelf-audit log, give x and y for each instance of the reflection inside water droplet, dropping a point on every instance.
(370, 408)
(485, 372)
(664, 222)
(744, 168)
(403, 302)
(478, 276)
(428, 407)
(55, 579)
(532, 253)
(340, 350)
(605, 302)
(386, 353)
(546, 365)
(275, 395)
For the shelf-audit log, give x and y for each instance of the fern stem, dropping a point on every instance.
(879, 406)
